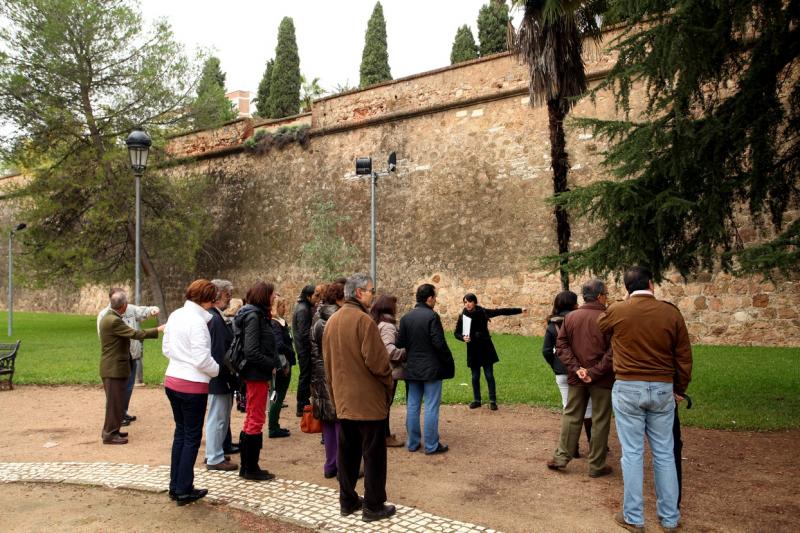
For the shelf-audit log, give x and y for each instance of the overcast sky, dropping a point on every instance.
(330, 34)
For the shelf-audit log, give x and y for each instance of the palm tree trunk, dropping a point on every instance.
(556, 112)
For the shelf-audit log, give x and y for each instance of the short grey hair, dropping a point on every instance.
(592, 289)
(356, 281)
(222, 285)
(118, 300)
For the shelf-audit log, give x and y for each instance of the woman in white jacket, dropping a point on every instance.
(187, 345)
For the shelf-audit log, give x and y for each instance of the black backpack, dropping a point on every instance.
(234, 358)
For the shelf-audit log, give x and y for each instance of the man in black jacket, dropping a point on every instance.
(301, 331)
(428, 362)
(220, 391)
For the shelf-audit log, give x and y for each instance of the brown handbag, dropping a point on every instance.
(309, 423)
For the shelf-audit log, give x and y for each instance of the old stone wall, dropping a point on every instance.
(466, 209)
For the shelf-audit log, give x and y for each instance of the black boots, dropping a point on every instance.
(250, 449)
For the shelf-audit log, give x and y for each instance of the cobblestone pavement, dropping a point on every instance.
(298, 502)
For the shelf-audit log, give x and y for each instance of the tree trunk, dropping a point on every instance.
(150, 272)
(556, 112)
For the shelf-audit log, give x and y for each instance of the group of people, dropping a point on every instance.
(352, 350)
(633, 357)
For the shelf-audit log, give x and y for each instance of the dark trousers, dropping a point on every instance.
(188, 410)
(303, 382)
(394, 390)
(281, 386)
(676, 435)
(488, 371)
(115, 405)
(357, 439)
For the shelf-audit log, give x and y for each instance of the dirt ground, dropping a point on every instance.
(494, 474)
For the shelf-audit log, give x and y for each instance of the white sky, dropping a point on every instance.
(330, 34)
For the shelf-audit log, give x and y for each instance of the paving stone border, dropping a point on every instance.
(298, 502)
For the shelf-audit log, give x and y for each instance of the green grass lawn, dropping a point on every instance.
(754, 388)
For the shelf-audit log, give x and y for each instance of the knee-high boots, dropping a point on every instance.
(250, 450)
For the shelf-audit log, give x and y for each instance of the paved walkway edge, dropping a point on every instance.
(298, 502)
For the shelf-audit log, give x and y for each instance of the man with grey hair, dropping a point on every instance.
(586, 354)
(220, 388)
(133, 317)
(359, 380)
(115, 368)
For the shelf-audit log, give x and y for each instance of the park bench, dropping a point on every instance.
(8, 356)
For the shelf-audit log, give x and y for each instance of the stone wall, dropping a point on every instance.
(465, 210)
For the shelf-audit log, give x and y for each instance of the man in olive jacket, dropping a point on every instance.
(359, 381)
(115, 368)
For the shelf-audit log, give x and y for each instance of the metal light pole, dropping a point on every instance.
(138, 148)
(364, 168)
(19, 227)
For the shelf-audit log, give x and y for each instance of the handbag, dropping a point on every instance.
(309, 423)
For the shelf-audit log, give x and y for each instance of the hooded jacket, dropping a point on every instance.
(259, 342)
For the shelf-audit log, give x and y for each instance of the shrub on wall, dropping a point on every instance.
(263, 141)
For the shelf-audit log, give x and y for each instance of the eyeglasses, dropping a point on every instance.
(372, 290)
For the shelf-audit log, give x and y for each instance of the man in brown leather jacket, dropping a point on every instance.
(586, 353)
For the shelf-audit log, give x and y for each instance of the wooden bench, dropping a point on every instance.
(8, 355)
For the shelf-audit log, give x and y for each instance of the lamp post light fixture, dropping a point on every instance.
(138, 149)
(364, 168)
(19, 227)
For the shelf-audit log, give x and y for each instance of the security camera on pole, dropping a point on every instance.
(364, 168)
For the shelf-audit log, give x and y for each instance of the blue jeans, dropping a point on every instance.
(647, 408)
(431, 393)
(188, 411)
(218, 420)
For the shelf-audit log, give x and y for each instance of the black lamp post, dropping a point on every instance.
(19, 227)
(138, 149)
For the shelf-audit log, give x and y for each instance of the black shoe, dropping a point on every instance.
(385, 512)
(279, 433)
(441, 448)
(329, 475)
(123, 434)
(257, 475)
(347, 511)
(125, 423)
(475, 404)
(493, 406)
(129, 418)
(184, 499)
(172, 495)
(234, 449)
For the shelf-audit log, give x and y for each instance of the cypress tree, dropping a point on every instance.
(211, 107)
(375, 57)
(715, 148)
(464, 47)
(493, 22)
(262, 97)
(284, 86)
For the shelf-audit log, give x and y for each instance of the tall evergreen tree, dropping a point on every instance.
(375, 57)
(75, 76)
(550, 41)
(717, 146)
(211, 107)
(284, 86)
(262, 97)
(464, 47)
(493, 22)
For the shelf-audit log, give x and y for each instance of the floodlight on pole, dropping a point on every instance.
(364, 168)
(138, 149)
(19, 227)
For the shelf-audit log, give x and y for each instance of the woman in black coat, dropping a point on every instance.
(253, 322)
(480, 349)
